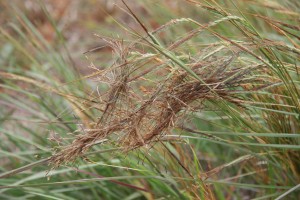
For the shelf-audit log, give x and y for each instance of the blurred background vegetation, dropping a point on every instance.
(51, 56)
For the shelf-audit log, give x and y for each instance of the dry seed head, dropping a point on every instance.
(139, 118)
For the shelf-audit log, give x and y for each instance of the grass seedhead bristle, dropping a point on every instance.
(138, 113)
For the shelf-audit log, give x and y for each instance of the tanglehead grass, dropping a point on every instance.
(204, 105)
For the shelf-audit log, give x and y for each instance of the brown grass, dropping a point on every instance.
(137, 111)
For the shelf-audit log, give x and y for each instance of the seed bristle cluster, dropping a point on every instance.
(148, 94)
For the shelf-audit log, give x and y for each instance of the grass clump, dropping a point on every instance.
(193, 108)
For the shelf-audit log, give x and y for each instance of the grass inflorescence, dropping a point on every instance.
(202, 103)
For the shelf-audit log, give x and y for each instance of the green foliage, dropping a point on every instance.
(244, 147)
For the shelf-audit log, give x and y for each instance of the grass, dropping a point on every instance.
(197, 101)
